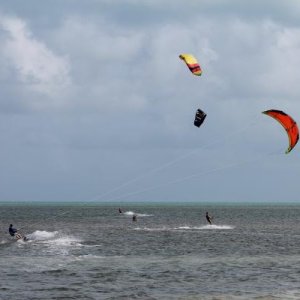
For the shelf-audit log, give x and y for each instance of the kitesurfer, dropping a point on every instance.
(120, 211)
(12, 231)
(208, 218)
(134, 219)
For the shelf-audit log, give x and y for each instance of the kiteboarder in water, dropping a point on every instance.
(134, 219)
(120, 211)
(208, 218)
(12, 231)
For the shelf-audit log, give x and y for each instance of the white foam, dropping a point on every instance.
(181, 228)
(152, 229)
(131, 213)
(65, 241)
(5, 242)
(91, 256)
(53, 238)
(39, 235)
(206, 227)
(128, 213)
(20, 241)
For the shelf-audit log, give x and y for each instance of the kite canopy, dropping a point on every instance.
(289, 125)
(199, 117)
(192, 63)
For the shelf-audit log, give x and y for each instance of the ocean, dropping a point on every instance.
(91, 251)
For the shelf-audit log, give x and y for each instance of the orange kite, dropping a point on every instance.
(289, 125)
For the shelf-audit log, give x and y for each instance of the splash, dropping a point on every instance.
(131, 213)
(39, 235)
(53, 238)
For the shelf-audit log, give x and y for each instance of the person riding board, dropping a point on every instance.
(14, 232)
(208, 218)
(120, 210)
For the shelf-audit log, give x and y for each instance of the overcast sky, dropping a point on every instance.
(95, 104)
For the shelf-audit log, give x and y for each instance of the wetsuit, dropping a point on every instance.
(12, 231)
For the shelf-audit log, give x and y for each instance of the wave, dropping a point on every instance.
(131, 213)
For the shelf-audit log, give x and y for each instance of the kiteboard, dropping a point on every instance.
(19, 236)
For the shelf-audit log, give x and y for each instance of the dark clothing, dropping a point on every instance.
(120, 211)
(12, 231)
(134, 218)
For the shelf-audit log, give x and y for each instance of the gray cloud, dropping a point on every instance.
(94, 94)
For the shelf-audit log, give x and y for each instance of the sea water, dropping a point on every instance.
(91, 251)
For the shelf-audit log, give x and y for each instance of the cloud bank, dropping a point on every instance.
(95, 94)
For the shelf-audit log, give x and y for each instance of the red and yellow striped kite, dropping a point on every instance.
(192, 63)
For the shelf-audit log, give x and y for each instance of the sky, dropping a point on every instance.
(95, 104)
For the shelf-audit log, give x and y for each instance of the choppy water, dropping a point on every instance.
(93, 252)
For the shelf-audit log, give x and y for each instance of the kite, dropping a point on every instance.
(199, 117)
(192, 63)
(289, 125)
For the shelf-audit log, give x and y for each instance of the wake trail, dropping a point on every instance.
(131, 213)
(185, 228)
